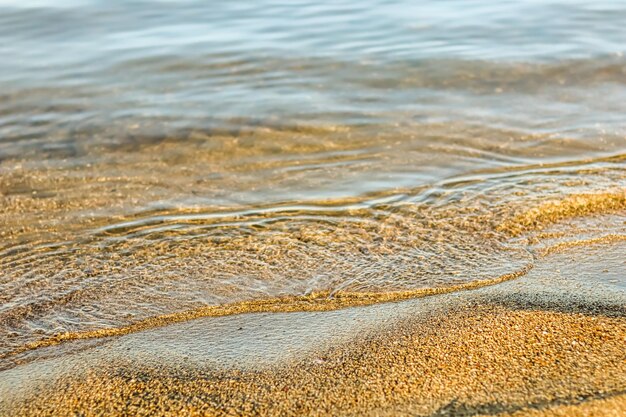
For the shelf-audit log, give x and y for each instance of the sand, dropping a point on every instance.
(482, 360)
(549, 343)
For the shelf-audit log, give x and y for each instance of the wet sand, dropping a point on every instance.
(549, 343)
(487, 361)
(312, 208)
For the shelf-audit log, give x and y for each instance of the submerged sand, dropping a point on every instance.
(549, 343)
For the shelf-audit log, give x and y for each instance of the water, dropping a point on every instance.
(158, 157)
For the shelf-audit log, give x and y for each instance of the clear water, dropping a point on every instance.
(160, 156)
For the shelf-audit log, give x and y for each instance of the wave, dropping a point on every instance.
(318, 301)
(341, 295)
(554, 211)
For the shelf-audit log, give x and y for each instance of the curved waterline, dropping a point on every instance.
(563, 246)
(319, 301)
(515, 224)
(574, 205)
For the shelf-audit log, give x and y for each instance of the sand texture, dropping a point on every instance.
(549, 343)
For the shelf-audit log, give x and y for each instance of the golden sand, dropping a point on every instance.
(483, 355)
(572, 206)
(606, 407)
(320, 301)
(561, 246)
(474, 360)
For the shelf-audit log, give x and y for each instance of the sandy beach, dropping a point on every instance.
(548, 343)
(305, 208)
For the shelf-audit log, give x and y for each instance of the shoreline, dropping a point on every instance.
(318, 301)
(549, 341)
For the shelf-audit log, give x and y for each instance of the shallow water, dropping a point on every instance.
(158, 157)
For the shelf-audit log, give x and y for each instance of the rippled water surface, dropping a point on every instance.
(158, 157)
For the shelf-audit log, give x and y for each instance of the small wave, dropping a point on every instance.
(554, 211)
(319, 301)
